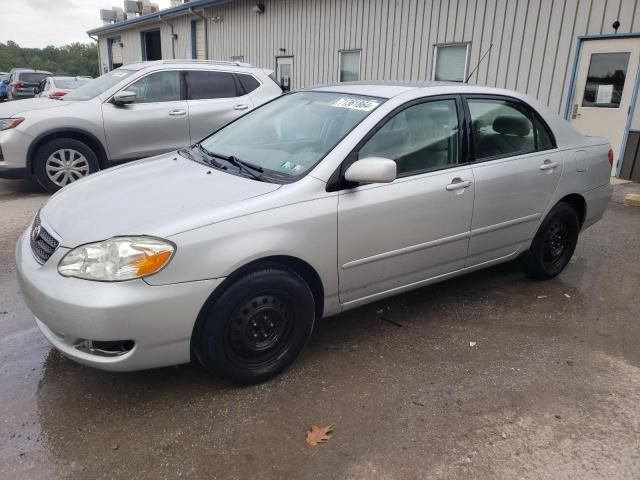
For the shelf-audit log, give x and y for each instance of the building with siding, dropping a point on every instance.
(580, 57)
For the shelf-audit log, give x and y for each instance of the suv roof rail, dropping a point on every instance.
(209, 62)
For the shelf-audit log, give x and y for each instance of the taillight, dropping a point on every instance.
(57, 94)
(610, 157)
(19, 85)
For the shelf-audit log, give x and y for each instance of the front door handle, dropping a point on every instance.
(548, 165)
(458, 184)
(241, 107)
(178, 113)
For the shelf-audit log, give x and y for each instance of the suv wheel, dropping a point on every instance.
(257, 327)
(554, 243)
(62, 161)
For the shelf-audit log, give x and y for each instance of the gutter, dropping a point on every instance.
(206, 31)
(173, 36)
(97, 40)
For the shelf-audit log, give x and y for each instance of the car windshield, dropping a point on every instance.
(293, 133)
(33, 77)
(70, 83)
(99, 85)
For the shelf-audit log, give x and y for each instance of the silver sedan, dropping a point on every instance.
(322, 200)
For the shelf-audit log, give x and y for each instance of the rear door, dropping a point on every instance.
(517, 168)
(417, 227)
(156, 123)
(214, 99)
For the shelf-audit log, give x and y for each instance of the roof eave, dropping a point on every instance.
(155, 17)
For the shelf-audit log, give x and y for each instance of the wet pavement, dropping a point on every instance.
(550, 389)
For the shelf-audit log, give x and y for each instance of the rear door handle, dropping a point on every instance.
(178, 113)
(241, 107)
(458, 184)
(548, 165)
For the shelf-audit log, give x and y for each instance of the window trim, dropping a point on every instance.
(337, 181)
(436, 46)
(532, 113)
(350, 50)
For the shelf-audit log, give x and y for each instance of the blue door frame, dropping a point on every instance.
(634, 95)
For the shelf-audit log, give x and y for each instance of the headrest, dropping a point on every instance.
(512, 125)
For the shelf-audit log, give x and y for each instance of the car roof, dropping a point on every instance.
(218, 64)
(28, 70)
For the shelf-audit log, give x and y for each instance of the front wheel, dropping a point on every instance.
(554, 243)
(62, 161)
(258, 326)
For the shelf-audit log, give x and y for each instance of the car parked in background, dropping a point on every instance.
(22, 81)
(317, 202)
(4, 81)
(139, 110)
(56, 87)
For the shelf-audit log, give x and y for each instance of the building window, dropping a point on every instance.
(450, 62)
(349, 65)
(237, 58)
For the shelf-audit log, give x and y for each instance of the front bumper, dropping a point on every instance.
(14, 145)
(14, 173)
(158, 319)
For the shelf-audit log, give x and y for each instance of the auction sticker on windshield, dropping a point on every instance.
(356, 104)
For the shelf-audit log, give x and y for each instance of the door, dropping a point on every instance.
(284, 72)
(214, 99)
(604, 89)
(518, 168)
(156, 123)
(115, 51)
(417, 227)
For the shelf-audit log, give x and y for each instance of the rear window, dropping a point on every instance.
(249, 84)
(203, 85)
(32, 77)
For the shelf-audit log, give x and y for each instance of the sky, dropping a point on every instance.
(38, 23)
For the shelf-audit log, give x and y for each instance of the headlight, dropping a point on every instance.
(117, 259)
(7, 123)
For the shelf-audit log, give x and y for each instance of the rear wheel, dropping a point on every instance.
(258, 326)
(554, 243)
(62, 161)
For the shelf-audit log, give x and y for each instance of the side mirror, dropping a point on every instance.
(124, 97)
(6, 82)
(372, 170)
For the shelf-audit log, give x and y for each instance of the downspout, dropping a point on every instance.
(173, 37)
(97, 40)
(206, 31)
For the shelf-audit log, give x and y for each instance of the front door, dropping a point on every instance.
(604, 89)
(156, 123)
(284, 72)
(398, 234)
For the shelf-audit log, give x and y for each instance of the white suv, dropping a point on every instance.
(136, 111)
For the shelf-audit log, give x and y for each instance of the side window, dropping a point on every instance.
(249, 84)
(500, 128)
(202, 85)
(421, 137)
(545, 138)
(157, 87)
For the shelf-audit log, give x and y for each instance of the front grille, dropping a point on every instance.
(42, 243)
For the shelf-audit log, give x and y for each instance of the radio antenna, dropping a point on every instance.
(479, 63)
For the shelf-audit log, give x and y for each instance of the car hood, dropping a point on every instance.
(10, 109)
(158, 196)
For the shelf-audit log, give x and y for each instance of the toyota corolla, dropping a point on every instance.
(228, 251)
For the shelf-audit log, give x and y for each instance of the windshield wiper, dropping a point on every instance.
(210, 156)
(254, 170)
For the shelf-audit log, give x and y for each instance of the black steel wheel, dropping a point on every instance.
(554, 243)
(257, 327)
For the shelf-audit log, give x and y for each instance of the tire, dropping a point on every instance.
(257, 327)
(62, 161)
(554, 243)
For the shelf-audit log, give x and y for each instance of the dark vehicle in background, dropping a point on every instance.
(22, 82)
(4, 81)
(56, 87)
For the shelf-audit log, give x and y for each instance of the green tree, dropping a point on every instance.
(74, 59)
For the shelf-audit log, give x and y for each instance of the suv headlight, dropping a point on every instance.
(7, 123)
(117, 259)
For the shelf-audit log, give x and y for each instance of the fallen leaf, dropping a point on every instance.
(318, 435)
(472, 344)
